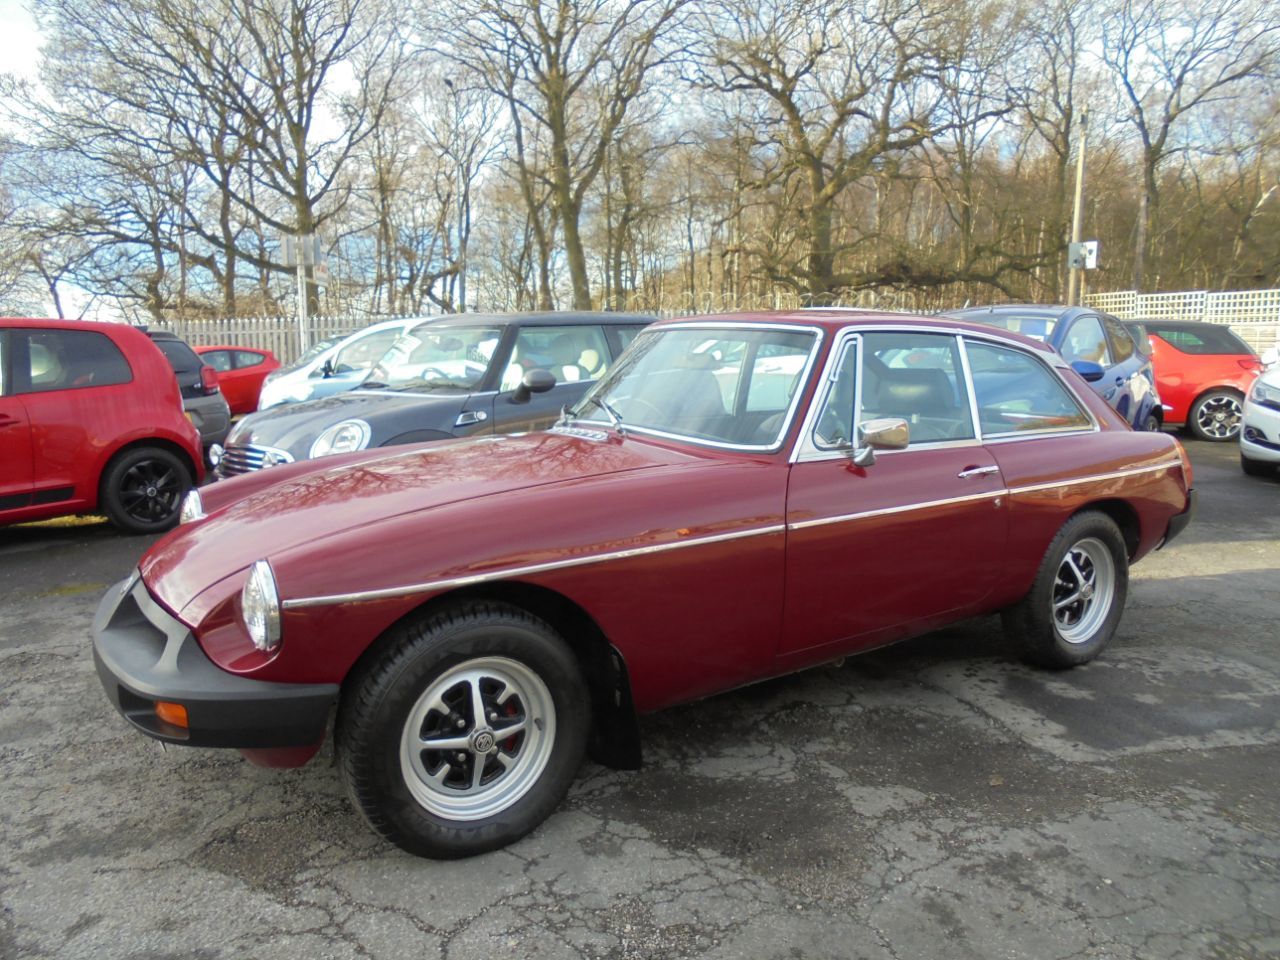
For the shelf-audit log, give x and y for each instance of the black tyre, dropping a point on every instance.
(141, 490)
(465, 732)
(1216, 416)
(1078, 596)
(1151, 423)
(1256, 468)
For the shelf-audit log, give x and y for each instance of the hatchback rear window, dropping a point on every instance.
(1205, 339)
(180, 356)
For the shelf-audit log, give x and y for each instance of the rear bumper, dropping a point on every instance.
(1178, 522)
(144, 655)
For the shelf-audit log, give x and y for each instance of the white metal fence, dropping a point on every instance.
(1253, 315)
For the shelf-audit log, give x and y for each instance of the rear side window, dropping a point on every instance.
(46, 360)
(1201, 340)
(220, 360)
(1018, 394)
(180, 356)
(247, 358)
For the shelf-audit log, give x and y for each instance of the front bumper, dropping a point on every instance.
(1178, 522)
(1260, 433)
(144, 655)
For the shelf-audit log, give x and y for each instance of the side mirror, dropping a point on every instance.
(1270, 357)
(1090, 371)
(326, 370)
(534, 381)
(887, 433)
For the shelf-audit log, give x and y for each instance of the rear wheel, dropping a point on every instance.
(466, 733)
(1151, 423)
(1216, 416)
(1077, 599)
(142, 489)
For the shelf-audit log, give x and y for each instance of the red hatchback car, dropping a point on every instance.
(91, 420)
(1203, 371)
(241, 371)
(737, 498)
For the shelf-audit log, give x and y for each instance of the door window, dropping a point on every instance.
(69, 360)
(571, 354)
(1016, 393)
(4, 358)
(1086, 341)
(1121, 342)
(916, 377)
(220, 360)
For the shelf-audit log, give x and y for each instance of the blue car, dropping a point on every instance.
(1096, 344)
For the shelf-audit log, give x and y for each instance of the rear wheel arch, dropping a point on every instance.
(167, 445)
(1124, 516)
(615, 733)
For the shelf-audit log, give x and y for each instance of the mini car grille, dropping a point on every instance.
(240, 458)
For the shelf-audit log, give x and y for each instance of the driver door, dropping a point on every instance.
(15, 440)
(915, 539)
(576, 356)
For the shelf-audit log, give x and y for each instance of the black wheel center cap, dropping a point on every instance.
(482, 741)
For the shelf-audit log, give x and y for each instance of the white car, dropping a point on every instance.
(332, 366)
(1260, 422)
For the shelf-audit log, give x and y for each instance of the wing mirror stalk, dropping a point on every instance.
(887, 433)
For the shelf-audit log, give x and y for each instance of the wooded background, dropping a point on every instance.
(639, 154)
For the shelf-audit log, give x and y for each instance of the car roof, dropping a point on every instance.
(209, 347)
(834, 319)
(542, 318)
(1047, 311)
(1185, 324)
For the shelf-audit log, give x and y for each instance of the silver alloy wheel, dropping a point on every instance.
(1219, 416)
(478, 738)
(1083, 590)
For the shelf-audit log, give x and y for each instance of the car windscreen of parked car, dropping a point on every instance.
(732, 386)
(1037, 326)
(430, 357)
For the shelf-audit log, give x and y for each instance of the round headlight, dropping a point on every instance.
(345, 437)
(260, 607)
(192, 508)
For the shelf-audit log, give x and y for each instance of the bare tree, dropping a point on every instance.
(1171, 58)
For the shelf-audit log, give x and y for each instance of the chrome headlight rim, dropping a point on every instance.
(192, 507)
(260, 607)
(346, 436)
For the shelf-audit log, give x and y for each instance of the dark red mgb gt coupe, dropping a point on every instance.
(739, 497)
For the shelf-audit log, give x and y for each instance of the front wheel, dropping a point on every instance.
(466, 732)
(1216, 416)
(1256, 468)
(1077, 599)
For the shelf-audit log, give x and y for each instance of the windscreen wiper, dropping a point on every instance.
(611, 413)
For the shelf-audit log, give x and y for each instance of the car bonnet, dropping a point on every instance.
(305, 511)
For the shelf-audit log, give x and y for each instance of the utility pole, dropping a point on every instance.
(1075, 280)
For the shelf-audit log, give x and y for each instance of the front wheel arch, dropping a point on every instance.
(615, 733)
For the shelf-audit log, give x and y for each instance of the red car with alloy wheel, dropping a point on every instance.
(91, 420)
(1203, 372)
(241, 372)
(738, 497)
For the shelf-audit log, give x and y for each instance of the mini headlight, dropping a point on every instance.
(260, 607)
(192, 508)
(344, 437)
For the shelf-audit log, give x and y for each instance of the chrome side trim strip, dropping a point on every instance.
(886, 511)
(1097, 478)
(505, 572)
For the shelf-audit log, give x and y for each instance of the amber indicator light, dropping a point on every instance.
(172, 713)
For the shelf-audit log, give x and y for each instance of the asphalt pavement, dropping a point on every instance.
(934, 800)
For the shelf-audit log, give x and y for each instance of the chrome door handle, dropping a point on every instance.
(977, 472)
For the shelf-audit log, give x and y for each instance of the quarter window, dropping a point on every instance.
(220, 360)
(1018, 394)
(917, 377)
(69, 360)
(247, 358)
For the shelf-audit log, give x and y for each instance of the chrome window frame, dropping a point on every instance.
(819, 336)
(807, 450)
